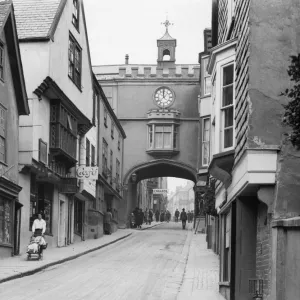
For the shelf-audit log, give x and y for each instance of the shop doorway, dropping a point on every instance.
(62, 224)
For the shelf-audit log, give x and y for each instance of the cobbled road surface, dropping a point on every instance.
(148, 265)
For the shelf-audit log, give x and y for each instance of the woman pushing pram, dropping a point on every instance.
(37, 242)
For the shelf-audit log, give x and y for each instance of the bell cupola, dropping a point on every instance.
(166, 48)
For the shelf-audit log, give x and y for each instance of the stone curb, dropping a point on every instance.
(151, 226)
(30, 272)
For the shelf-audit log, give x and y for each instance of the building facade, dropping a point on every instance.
(251, 158)
(58, 140)
(13, 103)
(156, 105)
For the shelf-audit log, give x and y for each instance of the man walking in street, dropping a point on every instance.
(183, 218)
(176, 215)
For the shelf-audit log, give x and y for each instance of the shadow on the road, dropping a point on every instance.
(172, 226)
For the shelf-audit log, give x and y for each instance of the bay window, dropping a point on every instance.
(206, 79)
(227, 106)
(162, 137)
(205, 141)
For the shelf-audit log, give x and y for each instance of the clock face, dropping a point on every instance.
(164, 97)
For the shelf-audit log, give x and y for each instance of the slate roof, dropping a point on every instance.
(4, 10)
(35, 18)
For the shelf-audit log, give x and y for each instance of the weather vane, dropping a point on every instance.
(167, 23)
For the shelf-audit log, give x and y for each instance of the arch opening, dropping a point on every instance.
(166, 55)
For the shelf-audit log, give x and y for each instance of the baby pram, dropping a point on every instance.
(36, 246)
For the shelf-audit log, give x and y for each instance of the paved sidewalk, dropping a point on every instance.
(18, 266)
(201, 276)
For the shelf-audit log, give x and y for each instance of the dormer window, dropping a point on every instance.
(75, 15)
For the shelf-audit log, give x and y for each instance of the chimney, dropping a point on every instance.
(126, 59)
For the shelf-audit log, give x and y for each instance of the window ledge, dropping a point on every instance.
(224, 283)
(6, 245)
(221, 166)
(162, 152)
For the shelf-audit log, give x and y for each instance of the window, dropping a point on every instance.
(93, 158)
(1, 61)
(205, 141)
(163, 137)
(226, 247)
(5, 221)
(104, 157)
(87, 153)
(206, 79)
(42, 152)
(111, 165)
(95, 107)
(227, 106)
(105, 117)
(75, 15)
(119, 141)
(112, 130)
(2, 134)
(78, 216)
(75, 62)
(117, 174)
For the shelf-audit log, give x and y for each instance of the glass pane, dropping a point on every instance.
(227, 95)
(228, 117)
(159, 129)
(7, 222)
(158, 140)
(228, 75)
(205, 153)
(167, 140)
(1, 221)
(167, 128)
(207, 85)
(228, 137)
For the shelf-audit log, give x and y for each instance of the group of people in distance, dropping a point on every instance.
(184, 216)
(138, 217)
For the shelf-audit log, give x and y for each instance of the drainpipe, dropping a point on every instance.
(126, 59)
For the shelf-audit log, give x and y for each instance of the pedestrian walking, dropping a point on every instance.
(157, 215)
(176, 215)
(107, 222)
(189, 216)
(140, 218)
(183, 218)
(162, 216)
(150, 216)
(146, 216)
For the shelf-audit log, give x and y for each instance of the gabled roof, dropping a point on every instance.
(8, 26)
(37, 19)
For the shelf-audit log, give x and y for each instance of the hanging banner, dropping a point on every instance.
(90, 173)
(160, 191)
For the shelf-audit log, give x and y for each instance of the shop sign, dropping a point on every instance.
(160, 191)
(90, 173)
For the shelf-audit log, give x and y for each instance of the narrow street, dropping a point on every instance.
(154, 264)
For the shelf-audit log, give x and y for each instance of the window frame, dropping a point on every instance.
(151, 136)
(118, 168)
(93, 156)
(87, 152)
(4, 220)
(104, 157)
(72, 61)
(119, 141)
(76, 18)
(3, 132)
(205, 77)
(111, 165)
(112, 129)
(2, 61)
(203, 141)
(227, 107)
(226, 254)
(105, 117)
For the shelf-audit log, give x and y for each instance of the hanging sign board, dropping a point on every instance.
(160, 191)
(90, 173)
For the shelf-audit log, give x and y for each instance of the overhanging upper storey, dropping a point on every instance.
(222, 68)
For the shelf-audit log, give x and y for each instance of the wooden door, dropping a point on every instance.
(246, 223)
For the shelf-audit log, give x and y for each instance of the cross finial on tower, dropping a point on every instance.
(167, 23)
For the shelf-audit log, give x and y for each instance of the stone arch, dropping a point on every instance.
(162, 168)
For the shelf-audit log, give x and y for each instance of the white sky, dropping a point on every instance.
(173, 182)
(119, 27)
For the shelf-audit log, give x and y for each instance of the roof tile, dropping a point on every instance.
(35, 17)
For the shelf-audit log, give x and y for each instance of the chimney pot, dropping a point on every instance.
(126, 59)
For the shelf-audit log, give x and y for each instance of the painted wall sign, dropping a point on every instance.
(160, 191)
(90, 173)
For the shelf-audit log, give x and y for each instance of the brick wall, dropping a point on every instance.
(263, 247)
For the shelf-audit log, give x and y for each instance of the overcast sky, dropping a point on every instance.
(119, 27)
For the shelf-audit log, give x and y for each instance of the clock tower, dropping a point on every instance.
(166, 48)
